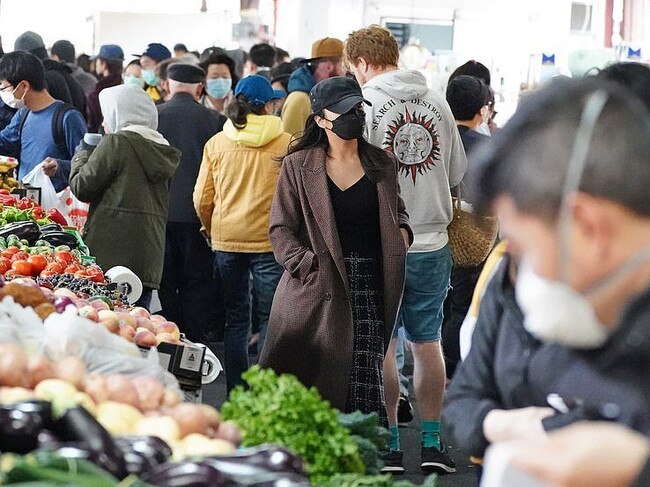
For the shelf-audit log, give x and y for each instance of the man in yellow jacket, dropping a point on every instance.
(232, 197)
(325, 62)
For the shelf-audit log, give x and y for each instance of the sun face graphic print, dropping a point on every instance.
(413, 138)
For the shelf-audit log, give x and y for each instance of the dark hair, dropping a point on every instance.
(528, 159)
(64, 50)
(466, 96)
(263, 55)
(20, 66)
(135, 62)
(473, 68)
(374, 160)
(282, 73)
(180, 47)
(239, 109)
(114, 67)
(280, 55)
(633, 76)
(83, 61)
(208, 52)
(221, 59)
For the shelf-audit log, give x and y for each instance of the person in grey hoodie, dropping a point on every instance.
(417, 126)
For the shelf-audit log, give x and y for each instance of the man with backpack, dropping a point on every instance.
(44, 129)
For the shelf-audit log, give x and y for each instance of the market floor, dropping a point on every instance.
(215, 394)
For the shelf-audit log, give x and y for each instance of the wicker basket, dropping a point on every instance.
(470, 238)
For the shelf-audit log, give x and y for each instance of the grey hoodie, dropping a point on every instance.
(417, 126)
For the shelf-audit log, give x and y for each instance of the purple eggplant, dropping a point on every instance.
(185, 474)
(271, 458)
(143, 453)
(20, 425)
(77, 425)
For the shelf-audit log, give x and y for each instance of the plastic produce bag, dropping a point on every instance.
(37, 179)
(20, 325)
(74, 210)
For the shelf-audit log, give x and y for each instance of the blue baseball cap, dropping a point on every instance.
(257, 89)
(110, 52)
(156, 51)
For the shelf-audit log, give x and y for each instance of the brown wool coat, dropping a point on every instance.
(310, 332)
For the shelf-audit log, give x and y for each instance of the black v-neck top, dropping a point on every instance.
(356, 211)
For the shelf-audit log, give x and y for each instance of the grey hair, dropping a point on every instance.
(180, 87)
(528, 160)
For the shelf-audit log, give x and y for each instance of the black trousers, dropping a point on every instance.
(190, 294)
(459, 299)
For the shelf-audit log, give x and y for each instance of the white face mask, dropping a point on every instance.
(484, 129)
(12, 102)
(554, 312)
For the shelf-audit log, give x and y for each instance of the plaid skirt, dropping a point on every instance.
(366, 392)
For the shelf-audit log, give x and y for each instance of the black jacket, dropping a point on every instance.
(507, 368)
(62, 86)
(187, 125)
(471, 138)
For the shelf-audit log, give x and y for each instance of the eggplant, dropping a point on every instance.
(185, 474)
(61, 238)
(268, 457)
(51, 227)
(26, 230)
(143, 453)
(79, 426)
(21, 423)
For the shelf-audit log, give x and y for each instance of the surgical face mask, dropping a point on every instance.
(133, 80)
(219, 87)
(349, 125)
(150, 77)
(12, 102)
(484, 129)
(554, 312)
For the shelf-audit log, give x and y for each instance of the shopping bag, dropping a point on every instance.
(74, 210)
(38, 179)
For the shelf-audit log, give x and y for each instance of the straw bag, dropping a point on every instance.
(470, 238)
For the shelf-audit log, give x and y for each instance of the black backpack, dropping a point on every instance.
(58, 134)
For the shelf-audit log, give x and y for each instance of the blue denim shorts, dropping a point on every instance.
(427, 282)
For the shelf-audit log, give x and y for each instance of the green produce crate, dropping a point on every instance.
(83, 248)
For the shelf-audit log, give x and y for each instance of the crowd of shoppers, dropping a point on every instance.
(261, 194)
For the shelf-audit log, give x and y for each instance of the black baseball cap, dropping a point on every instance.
(339, 94)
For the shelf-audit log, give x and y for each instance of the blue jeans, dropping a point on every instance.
(427, 282)
(235, 268)
(400, 357)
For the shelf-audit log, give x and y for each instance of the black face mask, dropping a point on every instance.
(349, 125)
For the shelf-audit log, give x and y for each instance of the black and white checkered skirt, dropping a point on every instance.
(366, 393)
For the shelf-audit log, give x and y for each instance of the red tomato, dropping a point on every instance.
(99, 277)
(38, 262)
(22, 255)
(5, 265)
(22, 267)
(64, 255)
(71, 269)
(10, 251)
(45, 274)
(82, 274)
(55, 268)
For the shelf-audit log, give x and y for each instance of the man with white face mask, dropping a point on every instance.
(573, 202)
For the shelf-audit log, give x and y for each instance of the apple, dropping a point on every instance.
(168, 327)
(106, 314)
(157, 318)
(111, 324)
(166, 337)
(145, 338)
(144, 323)
(126, 331)
(99, 305)
(89, 312)
(138, 311)
(127, 319)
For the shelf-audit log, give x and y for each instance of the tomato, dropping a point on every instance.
(22, 267)
(5, 265)
(45, 274)
(63, 255)
(81, 274)
(71, 269)
(99, 277)
(21, 255)
(55, 268)
(38, 262)
(11, 250)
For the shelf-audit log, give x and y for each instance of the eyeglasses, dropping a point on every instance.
(4, 88)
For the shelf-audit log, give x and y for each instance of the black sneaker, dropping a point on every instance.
(436, 461)
(393, 462)
(404, 411)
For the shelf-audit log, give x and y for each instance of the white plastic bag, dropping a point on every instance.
(75, 211)
(37, 179)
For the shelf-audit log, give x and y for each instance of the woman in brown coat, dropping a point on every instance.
(340, 229)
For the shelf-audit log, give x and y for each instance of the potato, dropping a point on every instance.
(230, 432)
(171, 399)
(13, 366)
(150, 392)
(95, 387)
(196, 445)
(190, 419)
(51, 389)
(39, 368)
(10, 395)
(118, 418)
(214, 418)
(164, 427)
(121, 389)
(73, 370)
(86, 402)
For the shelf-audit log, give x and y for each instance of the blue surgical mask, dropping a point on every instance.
(133, 80)
(150, 77)
(219, 87)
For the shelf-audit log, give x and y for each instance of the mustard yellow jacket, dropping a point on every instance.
(236, 184)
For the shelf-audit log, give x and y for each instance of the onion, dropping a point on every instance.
(26, 281)
(150, 392)
(121, 389)
(39, 368)
(72, 370)
(95, 387)
(61, 302)
(13, 366)
(190, 419)
(230, 432)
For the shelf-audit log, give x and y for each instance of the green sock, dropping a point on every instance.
(393, 443)
(431, 434)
